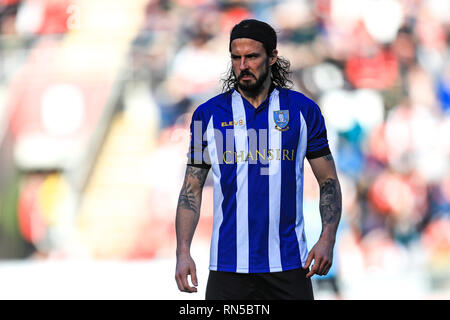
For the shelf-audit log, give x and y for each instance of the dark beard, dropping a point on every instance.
(254, 89)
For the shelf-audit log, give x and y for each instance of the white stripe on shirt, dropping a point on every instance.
(274, 187)
(218, 195)
(299, 225)
(241, 143)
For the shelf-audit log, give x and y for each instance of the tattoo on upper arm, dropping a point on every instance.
(330, 201)
(190, 195)
(328, 157)
(199, 174)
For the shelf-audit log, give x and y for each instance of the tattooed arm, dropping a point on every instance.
(188, 213)
(330, 212)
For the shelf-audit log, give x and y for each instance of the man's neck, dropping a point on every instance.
(256, 99)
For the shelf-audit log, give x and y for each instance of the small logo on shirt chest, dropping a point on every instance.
(239, 122)
(281, 119)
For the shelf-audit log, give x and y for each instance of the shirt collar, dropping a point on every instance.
(265, 101)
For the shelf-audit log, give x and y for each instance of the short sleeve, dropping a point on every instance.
(317, 133)
(198, 153)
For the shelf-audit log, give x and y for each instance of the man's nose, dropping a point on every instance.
(243, 64)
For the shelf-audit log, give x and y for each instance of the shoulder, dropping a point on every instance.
(298, 97)
(300, 102)
(208, 107)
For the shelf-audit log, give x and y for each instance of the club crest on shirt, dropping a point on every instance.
(281, 118)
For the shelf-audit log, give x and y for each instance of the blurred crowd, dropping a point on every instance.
(380, 72)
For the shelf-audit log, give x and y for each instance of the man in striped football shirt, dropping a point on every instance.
(254, 138)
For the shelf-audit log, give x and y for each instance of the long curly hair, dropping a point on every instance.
(280, 71)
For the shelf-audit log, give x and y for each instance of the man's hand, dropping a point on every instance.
(322, 253)
(185, 267)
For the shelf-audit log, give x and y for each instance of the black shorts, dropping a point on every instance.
(284, 285)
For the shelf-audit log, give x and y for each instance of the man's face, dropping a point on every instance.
(250, 63)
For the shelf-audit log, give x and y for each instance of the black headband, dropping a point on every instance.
(256, 30)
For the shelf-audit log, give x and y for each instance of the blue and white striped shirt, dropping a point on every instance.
(256, 157)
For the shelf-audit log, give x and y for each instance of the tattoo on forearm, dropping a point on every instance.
(190, 197)
(330, 202)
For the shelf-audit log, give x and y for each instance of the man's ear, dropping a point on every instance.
(273, 57)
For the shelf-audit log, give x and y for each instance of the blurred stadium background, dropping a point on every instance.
(95, 101)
